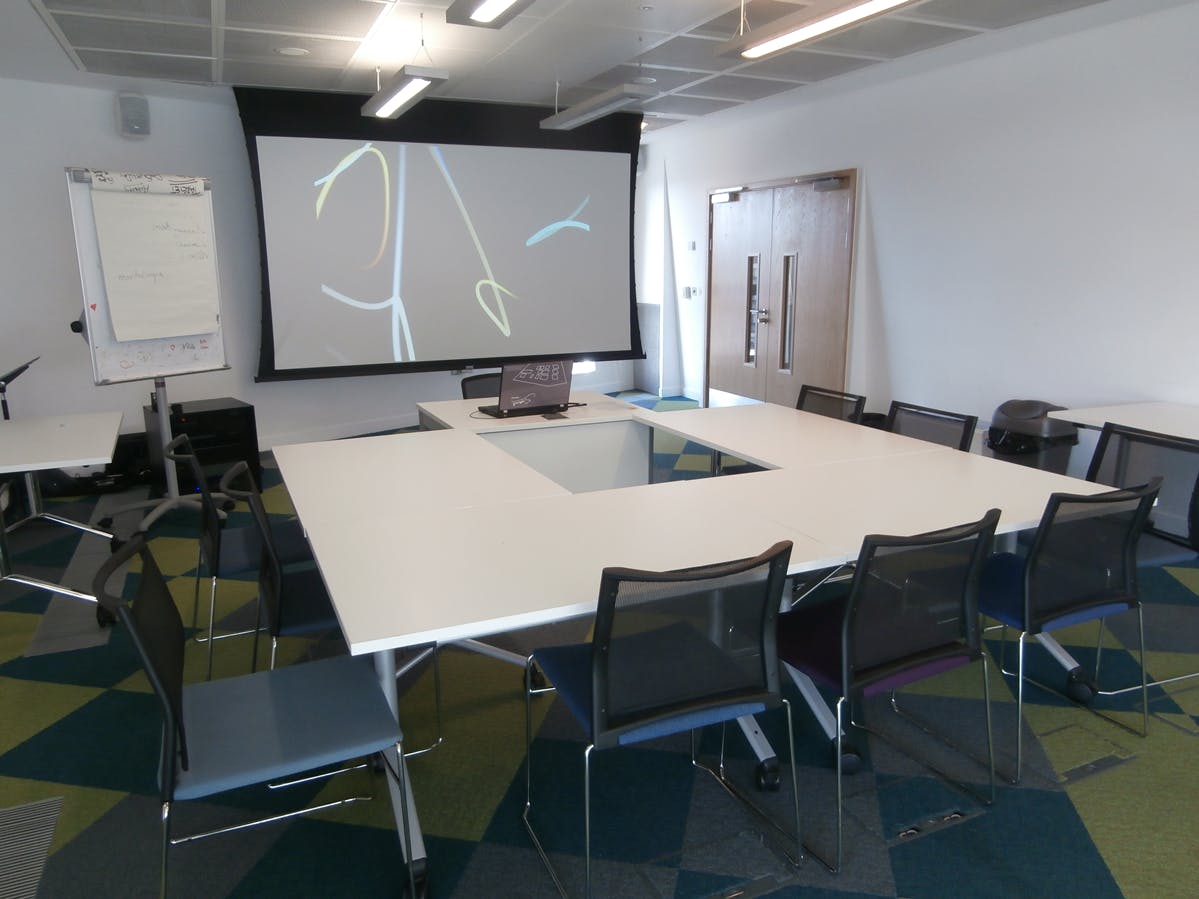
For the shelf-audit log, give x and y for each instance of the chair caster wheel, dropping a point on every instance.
(104, 618)
(851, 759)
(420, 874)
(767, 775)
(1080, 686)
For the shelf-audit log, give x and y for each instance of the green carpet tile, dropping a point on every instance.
(1100, 813)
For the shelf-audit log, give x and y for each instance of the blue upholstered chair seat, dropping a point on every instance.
(250, 729)
(1154, 551)
(1001, 596)
(569, 669)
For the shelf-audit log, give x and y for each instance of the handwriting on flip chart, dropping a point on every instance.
(159, 263)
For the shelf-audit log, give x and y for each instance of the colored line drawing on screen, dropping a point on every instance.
(571, 221)
(500, 315)
(399, 316)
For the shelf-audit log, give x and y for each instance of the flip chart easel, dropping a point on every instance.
(148, 266)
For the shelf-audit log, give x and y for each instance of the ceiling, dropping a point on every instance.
(556, 52)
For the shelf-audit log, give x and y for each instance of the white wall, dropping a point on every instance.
(194, 131)
(1027, 216)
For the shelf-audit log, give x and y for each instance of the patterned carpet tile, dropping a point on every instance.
(1100, 812)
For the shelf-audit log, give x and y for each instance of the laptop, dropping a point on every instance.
(532, 388)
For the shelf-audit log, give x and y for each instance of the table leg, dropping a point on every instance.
(385, 668)
(6, 572)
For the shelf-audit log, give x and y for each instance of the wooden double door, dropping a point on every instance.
(779, 266)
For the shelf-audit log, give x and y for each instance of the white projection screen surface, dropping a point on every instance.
(384, 252)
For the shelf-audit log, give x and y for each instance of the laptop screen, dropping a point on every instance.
(535, 385)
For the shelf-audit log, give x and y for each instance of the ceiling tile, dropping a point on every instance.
(757, 13)
(156, 10)
(890, 38)
(351, 18)
(663, 79)
(260, 46)
(138, 65)
(992, 14)
(262, 74)
(736, 87)
(685, 52)
(805, 66)
(695, 106)
(118, 34)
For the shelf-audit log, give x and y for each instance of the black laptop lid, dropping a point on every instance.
(535, 385)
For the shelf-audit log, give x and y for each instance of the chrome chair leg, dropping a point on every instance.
(166, 845)
(587, 819)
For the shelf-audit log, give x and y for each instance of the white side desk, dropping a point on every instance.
(63, 441)
(1175, 419)
(401, 526)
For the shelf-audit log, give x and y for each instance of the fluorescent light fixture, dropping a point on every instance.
(598, 106)
(485, 13)
(402, 91)
(801, 27)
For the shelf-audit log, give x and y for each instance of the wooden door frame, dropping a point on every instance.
(852, 174)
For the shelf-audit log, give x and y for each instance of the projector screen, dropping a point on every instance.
(384, 255)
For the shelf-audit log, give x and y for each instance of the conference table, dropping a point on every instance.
(62, 441)
(454, 533)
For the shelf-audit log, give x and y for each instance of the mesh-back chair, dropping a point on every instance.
(831, 403)
(910, 613)
(481, 387)
(294, 600)
(935, 425)
(817, 400)
(672, 652)
(240, 731)
(1125, 457)
(179, 451)
(1080, 567)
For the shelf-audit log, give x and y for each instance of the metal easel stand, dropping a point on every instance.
(161, 506)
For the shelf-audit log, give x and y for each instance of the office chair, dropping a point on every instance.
(818, 400)
(225, 552)
(672, 652)
(1127, 456)
(910, 613)
(294, 601)
(484, 386)
(924, 423)
(1080, 567)
(831, 403)
(236, 732)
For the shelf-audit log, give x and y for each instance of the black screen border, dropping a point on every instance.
(283, 113)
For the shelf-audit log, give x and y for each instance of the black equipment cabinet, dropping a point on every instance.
(222, 431)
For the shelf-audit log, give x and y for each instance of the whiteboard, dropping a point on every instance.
(147, 263)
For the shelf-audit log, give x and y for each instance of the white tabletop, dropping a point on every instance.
(776, 436)
(58, 441)
(442, 536)
(1175, 419)
(465, 415)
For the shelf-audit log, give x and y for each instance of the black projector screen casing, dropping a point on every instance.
(459, 235)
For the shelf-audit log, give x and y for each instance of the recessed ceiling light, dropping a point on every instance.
(291, 51)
